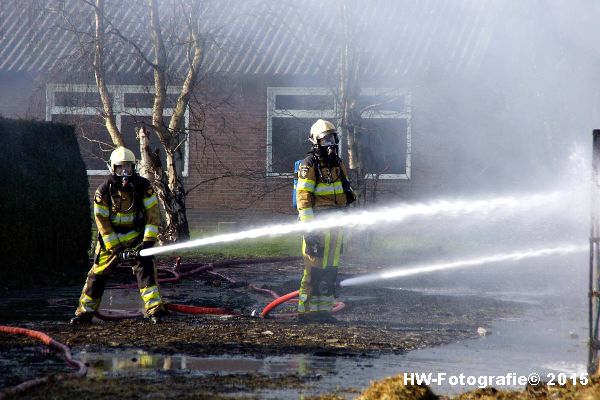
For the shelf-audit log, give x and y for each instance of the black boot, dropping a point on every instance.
(157, 317)
(82, 319)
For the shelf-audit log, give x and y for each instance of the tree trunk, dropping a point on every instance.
(177, 223)
(169, 183)
(99, 74)
(349, 92)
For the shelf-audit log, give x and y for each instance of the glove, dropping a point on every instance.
(350, 196)
(146, 244)
(312, 244)
(116, 250)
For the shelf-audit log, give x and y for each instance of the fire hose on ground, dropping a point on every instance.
(177, 274)
(54, 345)
(185, 270)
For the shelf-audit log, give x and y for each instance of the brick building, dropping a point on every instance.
(456, 84)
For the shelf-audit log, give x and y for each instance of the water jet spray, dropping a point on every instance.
(484, 260)
(385, 215)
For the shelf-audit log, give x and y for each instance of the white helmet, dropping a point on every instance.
(321, 129)
(121, 156)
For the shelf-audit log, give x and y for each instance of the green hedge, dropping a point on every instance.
(44, 204)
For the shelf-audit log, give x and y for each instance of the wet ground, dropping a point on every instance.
(424, 324)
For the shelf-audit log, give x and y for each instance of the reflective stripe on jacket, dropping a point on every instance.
(118, 215)
(316, 191)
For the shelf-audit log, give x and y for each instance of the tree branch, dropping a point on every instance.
(99, 73)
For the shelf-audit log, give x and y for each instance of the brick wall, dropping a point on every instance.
(227, 164)
(233, 141)
(228, 158)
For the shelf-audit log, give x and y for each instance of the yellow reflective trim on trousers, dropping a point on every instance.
(332, 245)
(152, 303)
(102, 262)
(326, 250)
(87, 304)
(150, 202)
(338, 248)
(302, 295)
(151, 297)
(101, 210)
(306, 184)
(149, 292)
(322, 303)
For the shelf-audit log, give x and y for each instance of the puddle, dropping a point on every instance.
(533, 342)
(125, 363)
(550, 335)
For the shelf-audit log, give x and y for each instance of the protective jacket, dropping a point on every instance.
(319, 187)
(122, 216)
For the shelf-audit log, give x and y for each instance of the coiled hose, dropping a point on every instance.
(54, 345)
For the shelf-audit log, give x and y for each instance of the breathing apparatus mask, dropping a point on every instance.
(324, 139)
(122, 167)
(123, 174)
(326, 148)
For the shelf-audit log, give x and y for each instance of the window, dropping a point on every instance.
(385, 125)
(79, 105)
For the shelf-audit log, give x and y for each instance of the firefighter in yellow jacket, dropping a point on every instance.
(323, 188)
(127, 216)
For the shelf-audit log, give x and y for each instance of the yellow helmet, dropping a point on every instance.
(320, 129)
(121, 156)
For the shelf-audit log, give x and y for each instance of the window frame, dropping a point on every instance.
(118, 93)
(331, 114)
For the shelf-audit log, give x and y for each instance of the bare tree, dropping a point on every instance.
(348, 92)
(167, 179)
(350, 35)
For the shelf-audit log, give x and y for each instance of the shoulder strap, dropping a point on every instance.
(140, 186)
(314, 162)
(350, 196)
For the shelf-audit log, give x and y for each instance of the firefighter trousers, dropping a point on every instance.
(328, 256)
(97, 277)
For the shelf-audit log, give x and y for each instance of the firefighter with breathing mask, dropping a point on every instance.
(127, 216)
(322, 188)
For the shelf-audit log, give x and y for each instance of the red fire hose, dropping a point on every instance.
(185, 270)
(53, 344)
(277, 302)
(291, 296)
